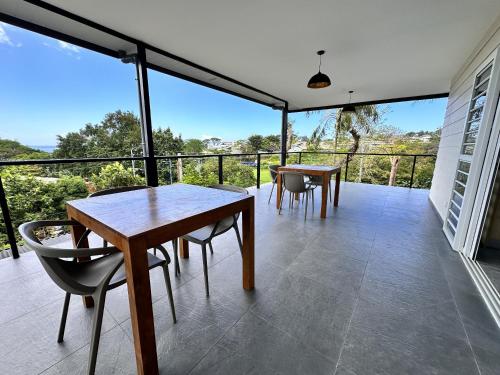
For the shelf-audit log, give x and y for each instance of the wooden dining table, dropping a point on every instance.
(325, 171)
(139, 220)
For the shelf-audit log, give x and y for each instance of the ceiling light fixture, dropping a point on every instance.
(349, 108)
(319, 80)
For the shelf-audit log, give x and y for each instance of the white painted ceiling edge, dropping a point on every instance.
(381, 49)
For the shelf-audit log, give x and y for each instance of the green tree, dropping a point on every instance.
(32, 198)
(10, 149)
(255, 143)
(193, 146)
(359, 123)
(205, 173)
(271, 143)
(116, 175)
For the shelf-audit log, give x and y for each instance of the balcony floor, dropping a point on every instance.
(373, 289)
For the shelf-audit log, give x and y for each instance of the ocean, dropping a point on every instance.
(44, 148)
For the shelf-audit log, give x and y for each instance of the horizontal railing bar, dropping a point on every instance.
(361, 153)
(5, 163)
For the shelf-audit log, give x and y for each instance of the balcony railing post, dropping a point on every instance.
(300, 157)
(284, 135)
(346, 167)
(8, 222)
(258, 171)
(413, 170)
(221, 175)
(146, 124)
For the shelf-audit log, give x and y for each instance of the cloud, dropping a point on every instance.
(5, 39)
(69, 47)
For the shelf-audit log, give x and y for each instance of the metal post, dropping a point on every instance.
(258, 171)
(300, 157)
(147, 128)
(221, 166)
(413, 170)
(178, 163)
(284, 130)
(8, 222)
(170, 170)
(346, 167)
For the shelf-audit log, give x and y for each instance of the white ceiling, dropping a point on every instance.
(382, 49)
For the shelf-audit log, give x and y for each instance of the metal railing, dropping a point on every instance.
(220, 169)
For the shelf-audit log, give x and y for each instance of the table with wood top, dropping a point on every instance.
(139, 220)
(313, 170)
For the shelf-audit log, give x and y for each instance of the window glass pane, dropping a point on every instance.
(476, 114)
(485, 74)
(457, 199)
(459, 188)
(468, 149)
(452, 219)
(455, 210)
(471, 137)
(473, 125)
(451, 230)
(481, 88)
(462, 177)
(464, 166)
(480, 100)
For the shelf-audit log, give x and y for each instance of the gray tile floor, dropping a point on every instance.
(373, 289)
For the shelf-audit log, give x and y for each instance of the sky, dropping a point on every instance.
(49, 88)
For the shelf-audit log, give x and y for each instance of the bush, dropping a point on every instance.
(206, 173)
(32, 198)
(116, 175)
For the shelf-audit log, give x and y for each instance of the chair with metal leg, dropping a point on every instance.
(273, 170)
(315, 181)
(295, 183)
(93, 277)
(205, 235)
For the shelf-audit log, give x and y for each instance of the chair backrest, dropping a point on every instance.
(227, 222)
(294, 182)
(273, 170)
(120, 189)
(52, 258)
(316, 179)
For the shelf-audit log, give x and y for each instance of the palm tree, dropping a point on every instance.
(358, 123)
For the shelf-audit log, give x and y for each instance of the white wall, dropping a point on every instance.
(454, 122)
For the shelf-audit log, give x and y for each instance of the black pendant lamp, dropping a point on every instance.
(319, 80)
(349, 108)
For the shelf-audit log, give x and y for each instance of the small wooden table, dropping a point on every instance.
(313, 170)
(139, 220)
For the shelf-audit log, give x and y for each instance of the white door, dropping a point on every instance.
(471, 168)
(485, 188)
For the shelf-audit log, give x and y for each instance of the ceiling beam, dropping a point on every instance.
(373, 102)
(97, 26)
(56, 34)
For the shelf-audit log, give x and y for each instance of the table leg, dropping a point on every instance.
(296, 196)
(76, 233)
(324, 195)
(337, 189)
(278, 190)
(248, 246)
(184, 248)
(141, 308)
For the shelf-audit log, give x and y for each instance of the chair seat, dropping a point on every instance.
(91, 274)
(204, 234)
(120, 276)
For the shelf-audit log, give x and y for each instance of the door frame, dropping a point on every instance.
(485, 188)
(475, 181)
